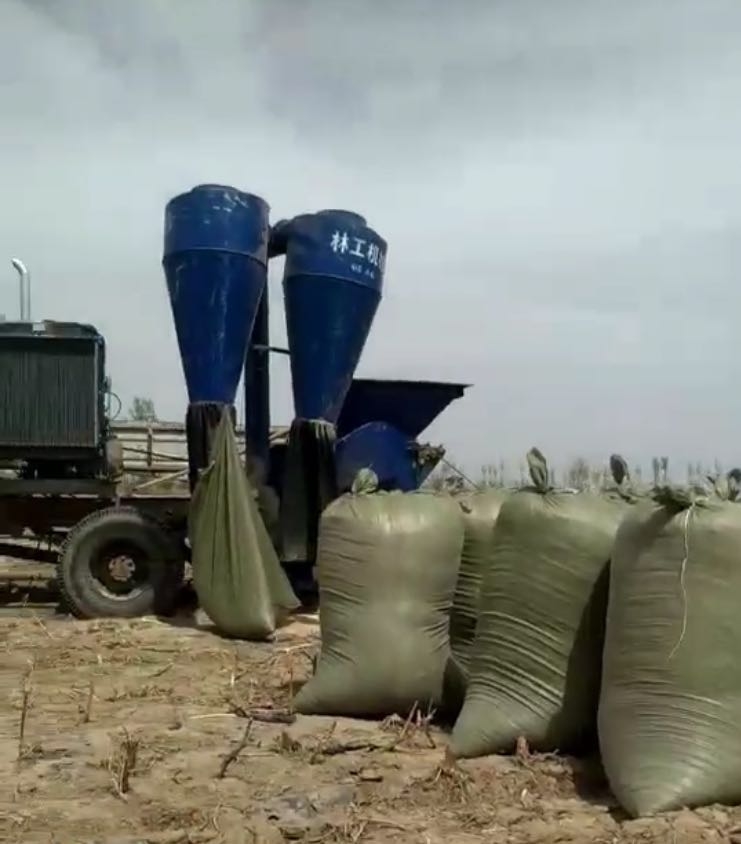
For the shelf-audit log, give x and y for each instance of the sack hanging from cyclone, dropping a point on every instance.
(669, 725)
(387, 565)
(309, 485)
(535, 666)
(236, 572)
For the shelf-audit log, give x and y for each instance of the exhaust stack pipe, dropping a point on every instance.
(24, 289)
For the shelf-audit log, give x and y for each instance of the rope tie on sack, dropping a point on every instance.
(682, 573)
(365, 482)
(723, 488)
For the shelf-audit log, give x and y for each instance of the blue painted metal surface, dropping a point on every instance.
(410, 406)
(215, 262)
(382, 448)
(379, 424)
(332, 286)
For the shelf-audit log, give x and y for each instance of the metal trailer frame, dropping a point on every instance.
(55, 521)
(116, 554)
(49, 508)
(61, 521)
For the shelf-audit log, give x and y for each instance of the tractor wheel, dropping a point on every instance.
(118, 562)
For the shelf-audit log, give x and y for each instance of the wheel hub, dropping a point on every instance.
(121, 569)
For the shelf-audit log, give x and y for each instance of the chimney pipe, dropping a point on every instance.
(24, 289)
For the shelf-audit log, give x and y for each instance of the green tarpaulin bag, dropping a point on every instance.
(387, 566)
(536, 661)
(236, 573)
(670, 708)
(480, 511)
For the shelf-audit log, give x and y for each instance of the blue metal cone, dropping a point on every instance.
(215, 262)
(332, 287)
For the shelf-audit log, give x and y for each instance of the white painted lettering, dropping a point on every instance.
(358, 250)
(339, 242)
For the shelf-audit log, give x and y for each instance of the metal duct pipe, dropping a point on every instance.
(24, 289)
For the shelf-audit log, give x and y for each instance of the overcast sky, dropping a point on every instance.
(559, 183)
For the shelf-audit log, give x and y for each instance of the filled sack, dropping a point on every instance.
(669, 714)
(236, 572)
(536, 661)
(387, 565)
(480, 510)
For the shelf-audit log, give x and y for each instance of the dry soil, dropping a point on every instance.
(147, 731)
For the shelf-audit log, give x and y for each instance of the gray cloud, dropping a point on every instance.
(558, 183)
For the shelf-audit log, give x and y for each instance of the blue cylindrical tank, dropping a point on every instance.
(215, 262)
(332, 286)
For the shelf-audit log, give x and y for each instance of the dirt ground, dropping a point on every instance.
(23, 582)
(147, 731)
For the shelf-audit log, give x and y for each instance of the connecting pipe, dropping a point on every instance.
(278, 238)
(24, 289)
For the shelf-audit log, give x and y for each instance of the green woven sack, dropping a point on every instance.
(236, 573)
(387, 566)
(480, 511)
(670, 708)
(536, 662)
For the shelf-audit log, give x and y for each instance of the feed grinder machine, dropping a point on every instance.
(217, 245)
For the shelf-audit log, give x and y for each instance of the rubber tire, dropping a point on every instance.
(81, 594)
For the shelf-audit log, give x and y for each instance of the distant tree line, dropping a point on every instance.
(142, 410)
(579, 474)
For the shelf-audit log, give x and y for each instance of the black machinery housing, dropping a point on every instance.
(52, 399)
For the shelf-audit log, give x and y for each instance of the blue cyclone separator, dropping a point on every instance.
(215, 262)
(332, 286)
